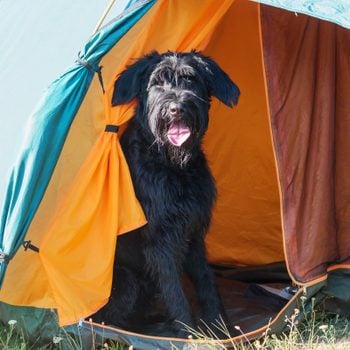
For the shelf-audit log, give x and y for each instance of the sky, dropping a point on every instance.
(39, 40)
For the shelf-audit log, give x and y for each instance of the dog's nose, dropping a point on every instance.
(175, 109)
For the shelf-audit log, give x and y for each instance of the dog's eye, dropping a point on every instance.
(158, 82)
(188, 78)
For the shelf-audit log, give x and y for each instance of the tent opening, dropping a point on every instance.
(244, 244)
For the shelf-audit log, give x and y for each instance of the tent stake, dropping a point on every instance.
(99, 24)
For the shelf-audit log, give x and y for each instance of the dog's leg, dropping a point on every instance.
(166, 275)
(124, 295)
(212, 310)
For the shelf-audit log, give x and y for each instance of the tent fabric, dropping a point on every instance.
(311, 136)
(45, 137)
(279, 158)
(77, 224)
(248, 207)
(242, 162)
(84, 188)
(337, 11)
(68, 284)
(50, 124)
(37, 325)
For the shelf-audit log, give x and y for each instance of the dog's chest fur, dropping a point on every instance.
(177, 200)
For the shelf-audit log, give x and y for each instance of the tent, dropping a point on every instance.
(280, 160)
(25, 72)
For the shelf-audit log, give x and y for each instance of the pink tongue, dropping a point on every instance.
(178, 133)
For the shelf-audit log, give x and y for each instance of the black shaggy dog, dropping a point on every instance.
(162, 145)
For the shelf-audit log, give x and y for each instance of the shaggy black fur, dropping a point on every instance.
(174, 186)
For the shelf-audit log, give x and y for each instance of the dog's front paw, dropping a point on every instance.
(184, 330)
(217, 329)
(183, 334)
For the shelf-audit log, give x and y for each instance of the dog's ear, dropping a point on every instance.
(129, 83)
(219, 83)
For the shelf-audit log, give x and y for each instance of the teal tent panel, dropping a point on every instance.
(47, 131)
(38, 326)
(337, 11)
(130, 3)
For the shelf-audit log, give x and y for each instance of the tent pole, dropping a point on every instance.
(99, 24)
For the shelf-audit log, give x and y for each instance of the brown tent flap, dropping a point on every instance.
(307, 65)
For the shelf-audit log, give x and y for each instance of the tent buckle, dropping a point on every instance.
(3, 257)
(28, 245)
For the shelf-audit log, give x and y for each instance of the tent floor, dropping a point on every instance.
(250, 306)
(251, 296)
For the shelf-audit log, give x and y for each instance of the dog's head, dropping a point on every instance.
(173, 92)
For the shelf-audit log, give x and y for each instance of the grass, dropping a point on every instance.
(317, 331)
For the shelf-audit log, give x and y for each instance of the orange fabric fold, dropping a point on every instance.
(78, 251)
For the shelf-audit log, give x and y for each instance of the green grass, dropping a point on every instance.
(317, 331)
